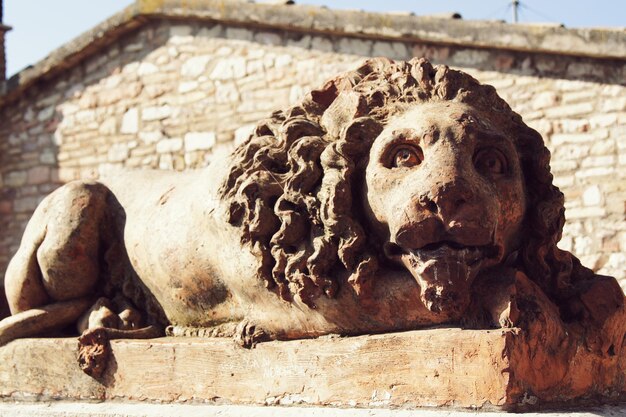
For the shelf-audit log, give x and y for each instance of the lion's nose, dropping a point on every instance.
(447, 199)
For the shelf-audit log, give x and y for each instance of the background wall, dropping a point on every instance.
(174, 95)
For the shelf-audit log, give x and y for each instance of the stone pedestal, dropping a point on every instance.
(427, 368)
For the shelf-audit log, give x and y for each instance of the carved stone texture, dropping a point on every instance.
(397, 196)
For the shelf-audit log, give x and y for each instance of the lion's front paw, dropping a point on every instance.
(248, 334)
(503, 317)
(94, 351)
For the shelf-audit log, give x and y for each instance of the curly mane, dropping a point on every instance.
(293, 187)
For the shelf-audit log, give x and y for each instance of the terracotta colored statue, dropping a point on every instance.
(398, 196)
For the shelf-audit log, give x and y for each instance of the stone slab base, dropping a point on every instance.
(426, 368)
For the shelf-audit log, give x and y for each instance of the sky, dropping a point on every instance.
(40, 26)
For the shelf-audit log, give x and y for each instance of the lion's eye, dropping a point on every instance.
(407, 156)
(490, 162)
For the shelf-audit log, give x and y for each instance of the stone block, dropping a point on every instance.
(603, 147)
(239, 34)
(579, 96)
(584, 213)
(229, 68)
(570, 110)
(181, 34)
(6, 208)
(571, 152)
(321, 44)
(595, 172)
(195, 66)
(592, 196)
(603, 120)
(210, 32)
(563, 166)
(108, 127)
(394, 50)
(598, 161)
(67, 174)
(147, 68)
(47, 157)
(355, 46)
(118, 152)
(187, 86)
(196, 141)
(470, 58)
(38, 175)
(108, 169)
(243, 133)
(130, 121)
(156, 113)
(166, 162)
(150, 137)
(46, 113)
(26, 204)
(545, 99)
(226, 93)
(614, 104)
(15, 178)
(268, 38)
(283, 60)
(561, 138)
(299, 41)
(169, 145)
(85, 116)
(616, 262)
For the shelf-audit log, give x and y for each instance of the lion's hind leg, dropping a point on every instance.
(53, 277)
(104, 321)
(35, 321)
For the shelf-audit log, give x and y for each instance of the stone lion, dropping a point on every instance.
(397, 196)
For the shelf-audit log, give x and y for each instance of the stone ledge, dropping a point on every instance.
(554, 39)
(452, 368)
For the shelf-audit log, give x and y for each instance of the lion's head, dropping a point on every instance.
(400, 162)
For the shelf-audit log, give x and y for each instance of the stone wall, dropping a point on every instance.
(176, 95)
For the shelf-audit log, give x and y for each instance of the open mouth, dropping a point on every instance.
(444, 271)
(445, 249)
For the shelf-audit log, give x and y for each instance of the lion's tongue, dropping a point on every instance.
(445, 276)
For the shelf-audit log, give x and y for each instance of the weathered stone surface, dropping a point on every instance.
(413, 369)
(427, 368)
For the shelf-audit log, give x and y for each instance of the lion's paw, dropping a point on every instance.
(94, 351)
(248, 334)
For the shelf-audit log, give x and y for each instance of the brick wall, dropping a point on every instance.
(175, 96)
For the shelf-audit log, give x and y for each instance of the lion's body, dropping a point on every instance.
(175, 242)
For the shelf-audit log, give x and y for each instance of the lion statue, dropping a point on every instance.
(397, 196)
